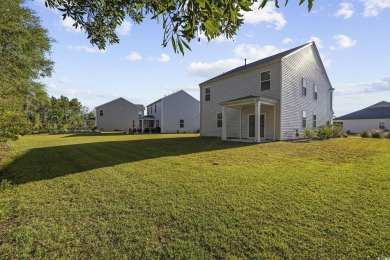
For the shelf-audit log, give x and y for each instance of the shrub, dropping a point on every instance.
(376, 133)
(365, 134)
(324, 132)
(338, 131)
(309, 134)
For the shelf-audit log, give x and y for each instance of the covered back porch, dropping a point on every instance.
(250, 118)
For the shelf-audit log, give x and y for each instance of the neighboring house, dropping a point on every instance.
(118, 114)
(178, 112)
(376, 116)
(271, 99)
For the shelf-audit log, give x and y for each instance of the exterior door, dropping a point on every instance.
(252, 125)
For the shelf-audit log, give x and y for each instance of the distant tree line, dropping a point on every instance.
(24, 58)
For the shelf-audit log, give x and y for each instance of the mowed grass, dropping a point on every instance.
(181, 196)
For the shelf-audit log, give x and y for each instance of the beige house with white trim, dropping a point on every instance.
(271, 99)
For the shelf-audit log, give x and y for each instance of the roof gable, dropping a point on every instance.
(170, 95)
(377, 111)
(255, 64)
(119, 99)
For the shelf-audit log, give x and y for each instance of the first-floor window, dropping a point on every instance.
(101, 112)
(304, 118)
(314, 120)
(382, 125)
(181, 123)
(219, 119)
(157, 123)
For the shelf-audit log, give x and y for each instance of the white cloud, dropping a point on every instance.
(344, 41)
(267, 15)
(71, 91)
(220, 38)
(124, 28)
(255, 52)
(65, 80)
(85, 49)
(345, 11)
(351, 89)
(52, 87)
(325, 60)
(286, 41)
(67, 23)
(163, 58)
(317, 41)
(242, 51)
(373, 7)
(207, 70)
(133, 56)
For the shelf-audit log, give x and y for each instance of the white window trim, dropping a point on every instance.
(209, 94)
(304, 117)
(180, 123)
(315, 95)
(270, 81)
(218, 119)
(304, 88)
(101, 112)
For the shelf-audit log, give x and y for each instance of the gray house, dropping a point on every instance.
(178, 112)
(118, 114)
(271, 99)
(373, 117)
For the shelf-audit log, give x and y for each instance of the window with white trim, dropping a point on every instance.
(181, 123)
(315, 91)
(207, 94)
(382, 125)
(219, 119)
(304, 118)
(265, 79)
(304, 86)
(101, 112)
(314, 120)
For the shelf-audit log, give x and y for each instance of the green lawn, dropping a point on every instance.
(115, 196)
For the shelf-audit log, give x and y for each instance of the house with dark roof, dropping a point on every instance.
(376, 116)
(274, 98)
(118, 114)
(175, 113)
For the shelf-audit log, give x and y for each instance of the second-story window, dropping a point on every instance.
(155, 108)
(207, 94)
(315, 92)
(304, 118)
(181, 123)
(304, 86)
(101, 112)
(265, 79)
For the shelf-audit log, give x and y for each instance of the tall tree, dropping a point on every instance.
(24, 50)
(182, 20)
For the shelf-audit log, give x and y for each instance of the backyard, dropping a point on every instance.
(182, 196)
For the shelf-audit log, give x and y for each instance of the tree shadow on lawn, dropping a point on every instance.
(51, 162)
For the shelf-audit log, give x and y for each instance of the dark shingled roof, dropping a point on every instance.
(377, 111)
(257, 63)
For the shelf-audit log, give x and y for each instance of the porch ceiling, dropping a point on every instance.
(248, 100)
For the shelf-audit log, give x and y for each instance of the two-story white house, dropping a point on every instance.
(118, 114)
(175, 113)
(274, 98)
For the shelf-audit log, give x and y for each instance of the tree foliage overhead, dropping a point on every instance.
(182, 20)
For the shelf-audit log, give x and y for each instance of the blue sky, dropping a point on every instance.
(352, 36)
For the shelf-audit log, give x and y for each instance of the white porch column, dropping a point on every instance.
(257, 121)
(274, 122)
(224, 124)
(241, 123)
(142, 126)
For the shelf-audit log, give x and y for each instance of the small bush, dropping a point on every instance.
(365, 134)
(376, 133)
(324, 132)
(309, 134)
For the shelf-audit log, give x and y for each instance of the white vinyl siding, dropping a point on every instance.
(304, 63)
(237, 86)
